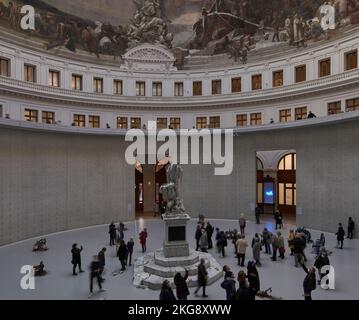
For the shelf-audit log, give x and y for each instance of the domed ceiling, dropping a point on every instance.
(234, 28)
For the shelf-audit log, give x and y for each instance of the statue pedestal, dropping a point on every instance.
(175, 243)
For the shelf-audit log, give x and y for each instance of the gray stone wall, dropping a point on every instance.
(51, 182)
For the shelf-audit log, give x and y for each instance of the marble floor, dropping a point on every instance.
(285, 280)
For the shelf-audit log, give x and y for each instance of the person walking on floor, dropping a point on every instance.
(291, 237)
(229, 284)
(102, 261)
(130, 245)
(112, 232)
(122, 254)
(242, 223)
(203, 241)
(309, 283)
(76, 258)
(181, 285)
(202, 278)
(340, 236)
(242, 245)
(257, 213)
(351, 227)
(209, 230)
(257, 251)
(95, 269)
(197, 236)
(166, 293)
(143, 240)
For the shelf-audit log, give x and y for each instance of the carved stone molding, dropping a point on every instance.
(149, 57)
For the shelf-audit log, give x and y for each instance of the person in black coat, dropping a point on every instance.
(76, 258)
(309, 283)
(278, 217)
(209, 230)
(257, 213)
(340, 235)
(197, 236)
(253, 278)
(122, 254)
(95, 269)
(229, 284)
(181, 286)
(244, 291)
(112, 232)
(321, 261)
(102, 261)
(202, 278)
(166, 293)
(351, 226)
(130, 245)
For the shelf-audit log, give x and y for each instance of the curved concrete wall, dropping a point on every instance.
(52, 181)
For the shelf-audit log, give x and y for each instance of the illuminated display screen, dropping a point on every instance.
(269, 193)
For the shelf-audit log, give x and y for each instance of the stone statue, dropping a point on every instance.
(170, 190)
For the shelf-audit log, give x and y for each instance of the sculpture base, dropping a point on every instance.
(153, 268)
(175, 243)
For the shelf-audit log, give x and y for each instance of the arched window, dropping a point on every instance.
(288, 162)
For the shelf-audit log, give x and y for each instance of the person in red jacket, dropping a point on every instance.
(143, 239)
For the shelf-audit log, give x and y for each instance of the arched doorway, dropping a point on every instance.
(286, 184)
(148, 180)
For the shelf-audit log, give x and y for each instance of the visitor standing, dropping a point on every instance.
(181, 285)
(120, 230)
(223, 242)
(253, 278)
(209, 230)
(243, 292)
(130, 245)
(321, 261)
(122, 254)
(203, 241)
(281, 245)
(143, 240)
(309, 283)
(202, 278)
(242, 223)
(267, 239)
(229, 284)
(291, 237)
(257, 251)
(241, 249)
(76, 258)
(275, 246)
(166, 293)
(257, 213)
(102, 261)
(278, 218)
(197, 236)
(351, 226)
(340, 235)
(112, 232)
